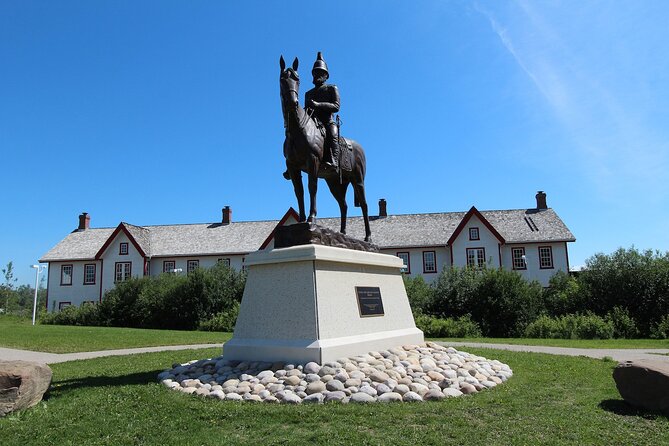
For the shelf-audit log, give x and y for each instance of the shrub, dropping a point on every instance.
(590, 326)
(119, 305)
(570, 326)
(563, 295)
(66, 316)
(500, 301)
(167, 301)
(86, 314)
(545, 327)
(419, 293)
(223, 321)
(623, 324)
(463, 327)
(661, 329)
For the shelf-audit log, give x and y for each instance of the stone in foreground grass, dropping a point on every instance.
(412, 373)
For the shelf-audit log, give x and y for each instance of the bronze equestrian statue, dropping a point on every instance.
(305, 146)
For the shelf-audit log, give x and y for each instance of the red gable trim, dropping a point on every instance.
(289, 213)
(474, 212)
(120, 228)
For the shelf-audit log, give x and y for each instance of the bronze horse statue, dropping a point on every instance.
(303, 149)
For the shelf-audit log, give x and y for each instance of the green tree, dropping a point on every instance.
(8, 286)
(635, 281)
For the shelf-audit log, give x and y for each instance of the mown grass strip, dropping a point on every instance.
(71, 339)
(550, 400)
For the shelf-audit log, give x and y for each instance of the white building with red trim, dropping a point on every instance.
(90, 261)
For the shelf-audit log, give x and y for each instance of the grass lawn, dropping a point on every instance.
(116, 401)
(19, 333)
(572, 343)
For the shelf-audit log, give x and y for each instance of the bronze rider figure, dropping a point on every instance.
(323, 102)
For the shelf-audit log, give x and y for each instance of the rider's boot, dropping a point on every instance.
(334, 153)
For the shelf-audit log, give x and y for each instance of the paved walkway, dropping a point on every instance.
(618, 354)
(9, 354)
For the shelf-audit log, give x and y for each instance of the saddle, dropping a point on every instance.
(345, 155)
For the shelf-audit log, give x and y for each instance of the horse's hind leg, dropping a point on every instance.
(296, 178)
(361, 200)
(339, 193)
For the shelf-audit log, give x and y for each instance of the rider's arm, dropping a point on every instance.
(333, 105)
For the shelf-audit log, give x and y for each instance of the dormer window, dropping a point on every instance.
(123, 249)
(473, 233)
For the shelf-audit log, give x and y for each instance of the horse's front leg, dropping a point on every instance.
(296, 178)
(313, 188)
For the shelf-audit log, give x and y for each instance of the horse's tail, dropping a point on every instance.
(359, 167)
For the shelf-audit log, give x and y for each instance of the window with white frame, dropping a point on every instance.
(225, 262)
(169, 266)
(429, 262)
(518, 258)
(89, 274)
(66, 275)
(62, 305)
(473, 233)
(405, 258)
(123, 249)
(192, 265)
(123, 270)
(476, 257)
(545, 257)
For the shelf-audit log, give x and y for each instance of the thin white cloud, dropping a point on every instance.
(613, 144)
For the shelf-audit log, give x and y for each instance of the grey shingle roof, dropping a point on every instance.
(402, 230)
(409, 230)
(141, 235)
(236, 237)
(79, 245)
(435, 229)
(529, 225)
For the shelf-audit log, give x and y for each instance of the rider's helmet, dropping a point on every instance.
(320, 65)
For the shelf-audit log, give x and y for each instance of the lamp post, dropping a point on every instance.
(38, 269)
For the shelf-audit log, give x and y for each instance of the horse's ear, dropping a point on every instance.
(295, 64)
(282, 63)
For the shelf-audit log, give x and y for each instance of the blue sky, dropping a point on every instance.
(157, 112)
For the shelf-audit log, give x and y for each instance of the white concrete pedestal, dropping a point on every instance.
(300, 305)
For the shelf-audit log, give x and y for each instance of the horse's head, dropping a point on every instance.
(290, 83)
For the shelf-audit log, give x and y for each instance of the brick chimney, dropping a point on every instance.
(541, 200)
(227, 215)
(84, 221)
(382, 208)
